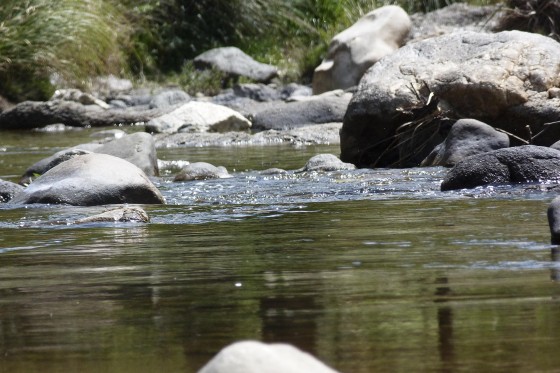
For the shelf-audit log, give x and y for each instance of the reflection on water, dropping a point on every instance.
(371, 271)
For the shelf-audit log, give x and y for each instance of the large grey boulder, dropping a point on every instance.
(137, 148)
(357, 48)
(197, 116)
(501, 79)
(328, 107)
(522, 164)
(467, 137)
(233, 62)
(91, 179)
(258, 357)
(8, 190)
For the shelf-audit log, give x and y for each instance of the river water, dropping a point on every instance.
(369, 270)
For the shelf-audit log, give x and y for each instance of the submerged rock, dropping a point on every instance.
(89, 180)
(258, 357)
(201, 171)
(120, 215)
(326, 162)
(522, 164)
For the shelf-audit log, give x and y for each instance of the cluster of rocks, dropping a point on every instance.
(441, 89)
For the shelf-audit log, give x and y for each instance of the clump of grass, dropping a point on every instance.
(539, 16)
(75, 39)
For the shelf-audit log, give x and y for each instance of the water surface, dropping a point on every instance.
(369, 270)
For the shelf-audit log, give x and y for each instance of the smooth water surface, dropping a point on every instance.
(369, 270)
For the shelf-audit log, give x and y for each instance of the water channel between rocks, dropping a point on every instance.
(369, 270)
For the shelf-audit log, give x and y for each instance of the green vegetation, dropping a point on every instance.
(155, 40)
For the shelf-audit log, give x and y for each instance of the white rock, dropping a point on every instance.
(199, 117)
(355, 49)
(257, 357)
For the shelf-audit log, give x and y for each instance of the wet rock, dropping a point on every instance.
(137, 148)
(8, 190)
(488, 77)
(89, 180)
(357, 48)
(235, 63)
(45, 164)
(169, 98)
(201, 171)
(326, 108)
(35, 114)
(553, 214)
(326, 162)
(467, 137)
(119, 215)
(258, 357)
(522, 164)
(199, 117)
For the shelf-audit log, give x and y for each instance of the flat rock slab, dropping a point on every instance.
(235, 63)
(38, 114)
(325, 108)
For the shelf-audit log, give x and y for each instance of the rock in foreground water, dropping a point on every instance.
(257, 357)
(89, 180)
(522, 164)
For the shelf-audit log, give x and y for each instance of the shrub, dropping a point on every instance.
(72, 38)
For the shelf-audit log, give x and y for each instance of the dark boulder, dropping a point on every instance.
(522, 164)
(467, 137)
(89, 180)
